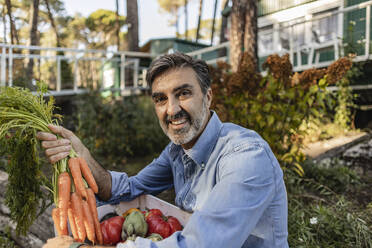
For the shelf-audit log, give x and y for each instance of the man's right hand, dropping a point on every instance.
(57, 149)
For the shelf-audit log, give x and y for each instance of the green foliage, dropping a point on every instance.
(343, 115)
(24, 195)
(115, 130)
(275, 105)
(318, 216)
(103, 20)
(6, 239)
(320, 225)
(22, 115)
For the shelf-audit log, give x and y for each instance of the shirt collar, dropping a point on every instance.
(203, 147)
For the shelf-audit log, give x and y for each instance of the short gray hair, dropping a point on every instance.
(179, 60)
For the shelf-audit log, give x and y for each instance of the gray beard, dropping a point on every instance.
(186, 134)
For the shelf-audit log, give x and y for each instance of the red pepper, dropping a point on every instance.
(111, 230)
(160, 224)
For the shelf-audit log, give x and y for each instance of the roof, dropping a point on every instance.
(147, 46)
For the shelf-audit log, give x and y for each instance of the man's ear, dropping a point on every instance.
(209, 96)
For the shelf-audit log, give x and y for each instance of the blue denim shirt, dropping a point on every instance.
(229, 179)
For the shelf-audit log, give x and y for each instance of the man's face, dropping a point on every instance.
(182, 108)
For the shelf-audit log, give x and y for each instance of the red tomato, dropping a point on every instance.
(158, 225)
(174, 224)
(111, 230)
(154, 211)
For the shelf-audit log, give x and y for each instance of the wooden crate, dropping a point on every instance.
(146, 202)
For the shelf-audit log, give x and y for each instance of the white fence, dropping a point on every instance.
(127, 76)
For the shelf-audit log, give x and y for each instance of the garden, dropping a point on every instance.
(329, 203)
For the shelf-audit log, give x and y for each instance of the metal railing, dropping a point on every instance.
(307, 55)
(127, 73)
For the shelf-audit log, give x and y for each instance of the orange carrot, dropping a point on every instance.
(71, 220)
(73, 164)
(55, 216)
(88, 222)
(77, 208)
(88, 174)
(64, 185)
(93, 209)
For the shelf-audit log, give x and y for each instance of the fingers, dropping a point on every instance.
(45, 136)
(55, 150)
(65, 133)
(55, 158)
(55, 143)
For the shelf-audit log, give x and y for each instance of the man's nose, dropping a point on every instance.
(173, 107)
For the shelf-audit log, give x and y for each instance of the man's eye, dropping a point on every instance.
(185, 93)
(159, 99)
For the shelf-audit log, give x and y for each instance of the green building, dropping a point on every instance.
(314, 32)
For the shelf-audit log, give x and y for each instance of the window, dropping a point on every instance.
(265, 39)
(325, 28)
(298, 33)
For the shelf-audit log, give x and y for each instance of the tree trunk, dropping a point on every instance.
(186, 20)
(117, 25)
(4, 24)
(199, 19)
(13, 31)
(33, 40)
(51, 19)
(132, 21)
(224, 24)
(243, 31)
(214, 20)
(237, 32)
(250, 31)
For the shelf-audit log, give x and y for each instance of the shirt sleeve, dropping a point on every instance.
(153, 179)
(234, 206)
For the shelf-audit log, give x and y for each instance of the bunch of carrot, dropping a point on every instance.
(77, 203)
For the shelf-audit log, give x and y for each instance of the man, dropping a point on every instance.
(225, 174)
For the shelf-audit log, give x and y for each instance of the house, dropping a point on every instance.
(313, 32)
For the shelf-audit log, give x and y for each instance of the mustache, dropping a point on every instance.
(180, 114)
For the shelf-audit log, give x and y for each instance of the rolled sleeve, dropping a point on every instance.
(153, 179)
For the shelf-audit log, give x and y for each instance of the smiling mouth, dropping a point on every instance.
(178, 123)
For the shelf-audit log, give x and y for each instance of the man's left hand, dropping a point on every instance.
(59, 242)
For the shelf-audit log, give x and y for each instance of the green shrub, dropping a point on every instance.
(277, 104)
(115, 130)
(321, 213)
(321, 225)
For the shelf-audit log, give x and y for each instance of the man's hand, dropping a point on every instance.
(66, 241)
(59, 242)
(57, 149)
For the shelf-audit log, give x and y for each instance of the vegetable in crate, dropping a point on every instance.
(111, 230)
(160, 224)
(134, 225)
(155, 237)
